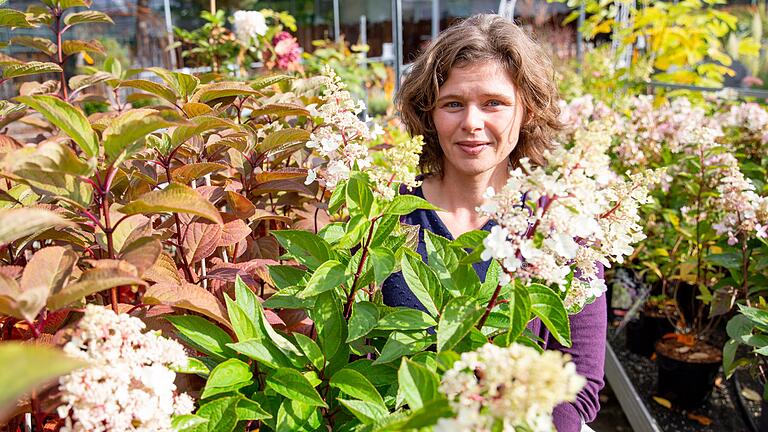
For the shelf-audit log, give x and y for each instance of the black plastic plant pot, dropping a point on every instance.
(645, 331)
(685, 383)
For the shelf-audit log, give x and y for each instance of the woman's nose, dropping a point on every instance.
(473, 119)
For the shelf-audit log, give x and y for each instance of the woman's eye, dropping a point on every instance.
(453, 105)
(494, 103)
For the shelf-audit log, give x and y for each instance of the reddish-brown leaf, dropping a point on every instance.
(190, 297)
(701, 419)
(200, 240)
(250, 271)
(275, 186)
(233, 231)
(143, 253)
(283, 174)
(239, 205)
(164, 271)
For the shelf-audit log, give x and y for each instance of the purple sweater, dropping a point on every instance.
(588, 328)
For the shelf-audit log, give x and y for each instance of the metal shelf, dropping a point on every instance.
(637, 413)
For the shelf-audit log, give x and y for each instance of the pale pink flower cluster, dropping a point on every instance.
(287, 52)
(744, 212)
(568, 217)
(581, 110)
(341, 136)
(747, 115)
(397, 165)
(129, 385)
(249, 25)
(499, 389)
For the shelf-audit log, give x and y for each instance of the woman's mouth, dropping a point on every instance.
(472, 147)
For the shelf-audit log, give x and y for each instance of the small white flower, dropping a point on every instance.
(311, 177)
(249, 25)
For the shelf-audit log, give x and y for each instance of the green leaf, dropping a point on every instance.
(78, 82)
(187, 422)
(311, 350)
(227, 376)
(183, 84)
(405, 204)
(459, 316)
(221, 414)
(293, 385)
(18, 223)
(427, 415)
(285, 276)
(383, 261)
(729, 260)
(403, 343)
(366, 412)
(151, 87)
(422, 281)
(266, 81)
(330, 323)
(67, 118)
(417, 384)
(359, 196)
(250, 410)
(128, 129)
(296, 416)
(379, 375)
(213, 91)
(309, 249)
(176, 198)
(459, 279)
(365, 316)
(203, 335)
(548, 306)
(331, 274)
(242, 323)
(337, 197)
(14, 19)
(519, 310)
(729, 357)
(27, 366)
(246, 299)
(282, 138)
(356, 385)
(406, 319)
(194, 366)
(87, 17)
(262, 351)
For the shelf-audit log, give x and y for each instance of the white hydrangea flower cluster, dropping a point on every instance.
(497, 388)
(744, 212)
(341, 137)
(249, 25)
(129, 386)
(570, 216)
(750, 116)
(581, 111)
(397, 165)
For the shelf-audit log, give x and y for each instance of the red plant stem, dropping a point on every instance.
(353, 288)
(179, 249)
(489, 307)
(93, 219)
(60, 53)
(108, 228)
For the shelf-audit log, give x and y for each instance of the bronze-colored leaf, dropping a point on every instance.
(190, 297)
(70, 47)
(268, 215)
(151, 87)
(663, 402)
(21, 222)
(239, 205)
(47, 272)
(279, 110)
(283, 174)
(200, 240)
(142, 253)
(200, 125)
(282, 137)
(233, 231)
(8, 143)
(195, 109)
(210, 92)
(186, 173)
(107, 274)
(276, 186)
(164, 271)
(32, 88)
(176, 198)
(250, 271)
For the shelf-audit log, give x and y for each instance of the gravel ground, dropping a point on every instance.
(722, 408)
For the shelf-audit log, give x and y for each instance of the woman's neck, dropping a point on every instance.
(459, 195)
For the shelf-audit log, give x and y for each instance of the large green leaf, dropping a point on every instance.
(186, 422)
(14, 19)
(331, 274)
(128, 129)
(263, 351)
(176, 198)
(152, 88)
(330, 323)
(423, 282)
(403, 343)
(221, 415)
(296, 416)
(519, 310)
(250, 410)
(417, 384)
(308, 249)
(67, 118)
(183, 84)
(227, 376)
(356, 385)
(203, 335)
(548, 306)
(311, 350)
(405, 204)
(359, 196)
(285, 276)
(242, 324)
(295, 386)
(366, 412)
(20, 222)
(383, 261)
(365, 316)
(405, 319)
(27, 366)
(459, 279)
(87, 17)
(459, 316)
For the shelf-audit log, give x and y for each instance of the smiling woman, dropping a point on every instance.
(483, 96)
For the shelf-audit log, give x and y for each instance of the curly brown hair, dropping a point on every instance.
(482, 38)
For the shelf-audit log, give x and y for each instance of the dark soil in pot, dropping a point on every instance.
(686, 374)
(648, 328)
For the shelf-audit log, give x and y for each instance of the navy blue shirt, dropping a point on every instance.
(588, 327)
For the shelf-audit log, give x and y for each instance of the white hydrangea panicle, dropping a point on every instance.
(497, 388)
(129, 385)
(249, 25)
(744, 213)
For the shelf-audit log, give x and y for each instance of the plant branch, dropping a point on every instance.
(363, 257)
(489, 307)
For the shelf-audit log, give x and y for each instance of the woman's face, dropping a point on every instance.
(477, 118)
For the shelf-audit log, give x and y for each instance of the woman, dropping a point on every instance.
(483, 96)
